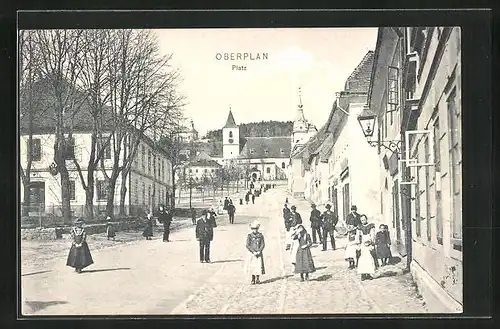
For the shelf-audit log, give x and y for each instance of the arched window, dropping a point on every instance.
(230, 134)
(283, 165)
(268, 170)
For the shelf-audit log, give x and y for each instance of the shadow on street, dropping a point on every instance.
(33, 273)
(322, 277)
(276, 279)
(37, 306)
(228, 261)
(106, 270)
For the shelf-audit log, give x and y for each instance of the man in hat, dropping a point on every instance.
(165, 217)
(296, 219)
(231, 209)
(205, 234)
(329, 221)
(287, 214)
(315, 223)
(353, 218)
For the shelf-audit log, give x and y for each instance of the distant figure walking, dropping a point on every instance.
(329, 220)
(231, 209)
(247, 197)
(304, 263)
(287, 214)
(315, 219)
(296, 219)
(226, 203)
(286, 200)
(148, 231)
(255, 245)
(110, 230)
(193, 216)
(79, 255)
(205, 234)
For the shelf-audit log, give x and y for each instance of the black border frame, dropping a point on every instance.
(477, 133)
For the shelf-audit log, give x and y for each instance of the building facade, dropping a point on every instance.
(150, 175)
(416, 94)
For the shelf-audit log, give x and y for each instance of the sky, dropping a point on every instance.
(318, 60)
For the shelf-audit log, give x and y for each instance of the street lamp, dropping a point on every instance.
(366, 120)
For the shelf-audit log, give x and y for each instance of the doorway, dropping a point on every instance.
(37, 196)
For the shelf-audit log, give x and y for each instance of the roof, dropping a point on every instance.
(230, 123)
(324, 150)
(266, 147)
(359, 80)
(204, 163)
(212, 148)
(311, 146)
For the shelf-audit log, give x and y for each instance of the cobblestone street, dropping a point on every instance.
(151, 277)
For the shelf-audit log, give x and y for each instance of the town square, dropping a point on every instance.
(165, 177)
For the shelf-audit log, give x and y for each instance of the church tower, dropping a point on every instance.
(230, 138)
(300, 126)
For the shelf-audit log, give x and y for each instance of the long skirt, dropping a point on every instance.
(79, 257)
(255, 265)
(304, 262)
(383, 251)
(350, 250)
(148, 231)
(294, 248)
(366, 265)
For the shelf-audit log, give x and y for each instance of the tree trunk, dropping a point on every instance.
(110, 200)
(26, 197)
(66, 205)
(123, 191)
(173, 188)
(89, 201)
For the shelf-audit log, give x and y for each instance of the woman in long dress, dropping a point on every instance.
(255, 245)
(366, 264)
(79, 255)
(304, 263)
(148, 231)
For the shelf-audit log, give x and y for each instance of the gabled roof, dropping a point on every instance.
(204, 163)
(266, 147)
(359, 80)
(311, 146)
(230, 123)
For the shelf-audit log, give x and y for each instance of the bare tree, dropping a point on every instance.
(60, 52)
(30, 109)
(143, 96)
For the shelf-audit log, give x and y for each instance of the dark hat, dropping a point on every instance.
(328, 206)
(313, 205)
(204, 212)
(294, 208)
(79, 220)
(354, 207)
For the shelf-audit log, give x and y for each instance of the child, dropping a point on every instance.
(110, 230)
(351, 249)
(304, 263)
(382, 244)
(148, 231)
(255, 245)
(79, 255)
(366, 266)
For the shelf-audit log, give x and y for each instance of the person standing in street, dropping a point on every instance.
(247, 197)
(110, 230)
(255, 245)
(352, 246)
(315, 219)
(304, 263)
(353, 218)
(165, 217)
(287, 214)
(366, 264)
(226, 203)
(329, 221)
(382, 244)
(148, 231)
(296, 219)
(205, 234)
(193, 216)
(79, 255)
(231, 209)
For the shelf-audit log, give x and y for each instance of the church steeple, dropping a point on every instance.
(300, 111)
(230, 123)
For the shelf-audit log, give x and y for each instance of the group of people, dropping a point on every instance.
(364, 246)
(230, 208)
(164, 217)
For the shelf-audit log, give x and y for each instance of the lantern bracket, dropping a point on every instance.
(391, 145)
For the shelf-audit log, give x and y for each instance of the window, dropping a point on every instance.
(196, 170)
(190, 170)
(163, 169)
(268, 170)
(212, 170)
(418, 218)
(282, 151)
(72, 194)
(149, 195)
(335, 204)
(283, 165)
(205, 170)
(102, 190)
(105, 145)
(136, 190)
(437, 171)
(346, 199)
(454, 116)
(143, 156)
(230, 134)
(36, 151)
(427, 189)
(69, 148)
(143, 193)
(252, 151)
(149, 161)
(393, 91)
